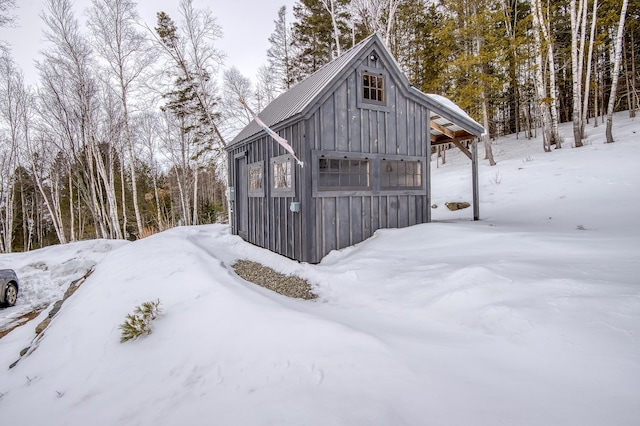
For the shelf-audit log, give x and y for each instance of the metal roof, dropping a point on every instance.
(447, 119)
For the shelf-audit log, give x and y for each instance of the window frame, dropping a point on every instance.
(404, 163)
(288, 191)
(255, 192)
(374, 93)
(364, 103)
(375, 162)
(344, 170)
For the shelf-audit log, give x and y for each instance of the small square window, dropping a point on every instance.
(373, 88)
(282, 175)
(256, 179)
(282, 183)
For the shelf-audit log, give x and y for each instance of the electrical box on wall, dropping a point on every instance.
(231, 193)
(295, 206)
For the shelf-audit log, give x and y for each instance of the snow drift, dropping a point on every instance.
(530, 316)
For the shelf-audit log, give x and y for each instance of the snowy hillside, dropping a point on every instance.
(530, 316)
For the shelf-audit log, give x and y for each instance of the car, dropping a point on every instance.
(8, 287)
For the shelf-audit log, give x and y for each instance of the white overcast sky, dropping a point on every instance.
(246, 26)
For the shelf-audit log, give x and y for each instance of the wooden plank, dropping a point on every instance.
(343, 223)
(381, 130)
(391, 117)
(403, 211)
(365, 133)
(462, 148)
(392, 211)
(356, 220)
(367, 217)
(327, 130)
(402, 120)
(383, 212)
(329, 235)
(341, 119)
(354, 114)
(413, 215)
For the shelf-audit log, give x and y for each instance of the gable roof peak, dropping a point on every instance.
(296, 100)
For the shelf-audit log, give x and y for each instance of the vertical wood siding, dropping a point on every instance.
(340, 125)
(326, 223)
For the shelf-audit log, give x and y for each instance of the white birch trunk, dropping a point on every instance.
(329, 5)
(194, 220)
(616, 72)
(541, 89)
(587, 82)
(575, 72)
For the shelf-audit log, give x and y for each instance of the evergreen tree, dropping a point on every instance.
(313, 35)
(280, 54)
(416, 46)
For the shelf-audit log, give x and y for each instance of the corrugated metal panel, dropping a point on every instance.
(302, 95)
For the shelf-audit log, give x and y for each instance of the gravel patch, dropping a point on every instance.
(287, 285)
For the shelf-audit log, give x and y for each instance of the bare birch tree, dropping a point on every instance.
(616, 72)
(578, 23)
(376, 16)
(330, 7)
(69, 97)
(10, 86)
(127, 55)
(587, 81)
(541, 87)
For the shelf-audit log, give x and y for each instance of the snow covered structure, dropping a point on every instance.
(364, 135)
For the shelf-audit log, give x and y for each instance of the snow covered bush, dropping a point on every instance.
(139, 323)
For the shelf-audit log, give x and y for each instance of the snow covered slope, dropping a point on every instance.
(530, 316)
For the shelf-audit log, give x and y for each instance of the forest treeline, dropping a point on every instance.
(124, 132)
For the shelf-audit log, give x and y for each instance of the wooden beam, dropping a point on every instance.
(443, 129)
(440, 139)
(462, 148)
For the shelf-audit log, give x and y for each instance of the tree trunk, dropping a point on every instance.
(541, 91)
(576, 70)
(194, 220)
(72, 231)
(616, 72)
(587, 81)
(636, 99)
(488, 152)
(124, 200)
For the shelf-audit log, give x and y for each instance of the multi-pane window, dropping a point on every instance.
(400, 174)
(373, 87)
(282, 175)
(256, 179)
(343, 174)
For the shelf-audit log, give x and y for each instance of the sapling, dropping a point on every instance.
(139, 323)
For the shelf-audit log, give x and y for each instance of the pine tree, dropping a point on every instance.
(139, 323)
(280, 54)
(313, 35)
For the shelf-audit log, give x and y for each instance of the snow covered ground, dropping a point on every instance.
(530, 316)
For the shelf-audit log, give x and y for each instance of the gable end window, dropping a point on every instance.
(373, 88)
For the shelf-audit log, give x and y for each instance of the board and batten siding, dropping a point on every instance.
(271, 224)
(341, 125)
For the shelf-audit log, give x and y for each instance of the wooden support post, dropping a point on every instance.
(474, 178)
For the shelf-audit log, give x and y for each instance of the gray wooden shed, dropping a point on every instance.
(364, 135)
